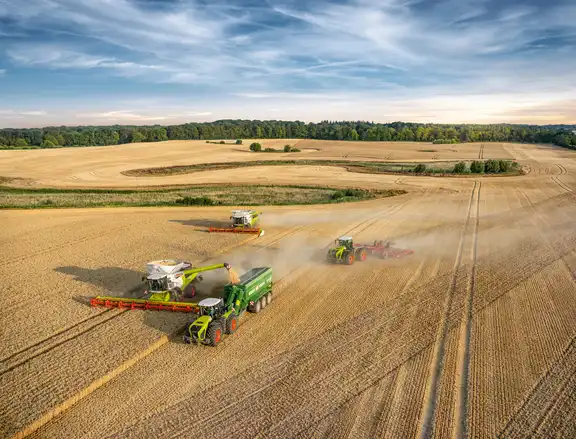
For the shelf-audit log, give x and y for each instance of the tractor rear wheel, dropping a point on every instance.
(361, 254)
(231, 324)
(214, 334)
(349, 258)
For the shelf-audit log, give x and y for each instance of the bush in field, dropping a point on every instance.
(477, 167)
(337, 195)
(420, 168)
(294, 150)
(269, 150)
(238, 141)
(444, 141)
(287, 148)
(196, 201)
(492, 166)
(256, 147)
(353, 193)
(459, 168)
(222, 142)
(504, 165)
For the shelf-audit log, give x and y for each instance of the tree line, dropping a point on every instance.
(54, 137)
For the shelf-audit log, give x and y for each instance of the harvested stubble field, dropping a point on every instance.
(474, 334)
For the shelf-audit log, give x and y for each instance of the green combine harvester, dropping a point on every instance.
(218, 316)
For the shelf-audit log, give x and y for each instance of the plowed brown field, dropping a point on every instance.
(474, 335)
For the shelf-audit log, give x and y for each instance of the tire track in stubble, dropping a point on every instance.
(462, 376)
(559, 182)
(429, 407)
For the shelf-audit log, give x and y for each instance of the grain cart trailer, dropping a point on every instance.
(220, 315)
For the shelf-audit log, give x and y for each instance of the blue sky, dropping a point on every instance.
(171, 61)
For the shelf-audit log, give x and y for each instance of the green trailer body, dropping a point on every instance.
(220, 315)
(254, 284)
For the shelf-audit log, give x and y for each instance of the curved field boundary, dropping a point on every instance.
(363, 167)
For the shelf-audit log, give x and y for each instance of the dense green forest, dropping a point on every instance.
(53, 137)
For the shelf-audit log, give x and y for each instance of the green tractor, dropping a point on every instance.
(219, 316)
(346, 252)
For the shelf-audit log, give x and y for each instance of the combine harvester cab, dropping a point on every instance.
(219, 316)
(243, 221)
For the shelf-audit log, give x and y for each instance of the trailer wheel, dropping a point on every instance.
(256, 307)
(263, 302)
(231, 324)
(269, 298)
(214, 334)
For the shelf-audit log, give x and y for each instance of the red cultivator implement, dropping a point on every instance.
(384, 249)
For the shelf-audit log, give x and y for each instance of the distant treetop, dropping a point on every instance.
(53, 137)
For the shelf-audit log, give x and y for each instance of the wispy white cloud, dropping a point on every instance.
(304, 56)
(122, 115)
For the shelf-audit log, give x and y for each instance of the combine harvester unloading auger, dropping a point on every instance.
(243, 221)
(168, 283)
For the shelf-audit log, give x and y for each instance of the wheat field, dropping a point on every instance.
(473, 335)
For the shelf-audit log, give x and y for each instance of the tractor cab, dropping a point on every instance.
(345, 241)
(212, 307)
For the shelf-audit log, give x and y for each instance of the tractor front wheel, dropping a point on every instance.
(349, 258)
(214, 334)
(231, 324)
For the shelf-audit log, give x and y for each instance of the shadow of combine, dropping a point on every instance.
(203, 223)
(116, 280)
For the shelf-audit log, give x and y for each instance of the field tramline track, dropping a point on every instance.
(462, 376)
(436, 367)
